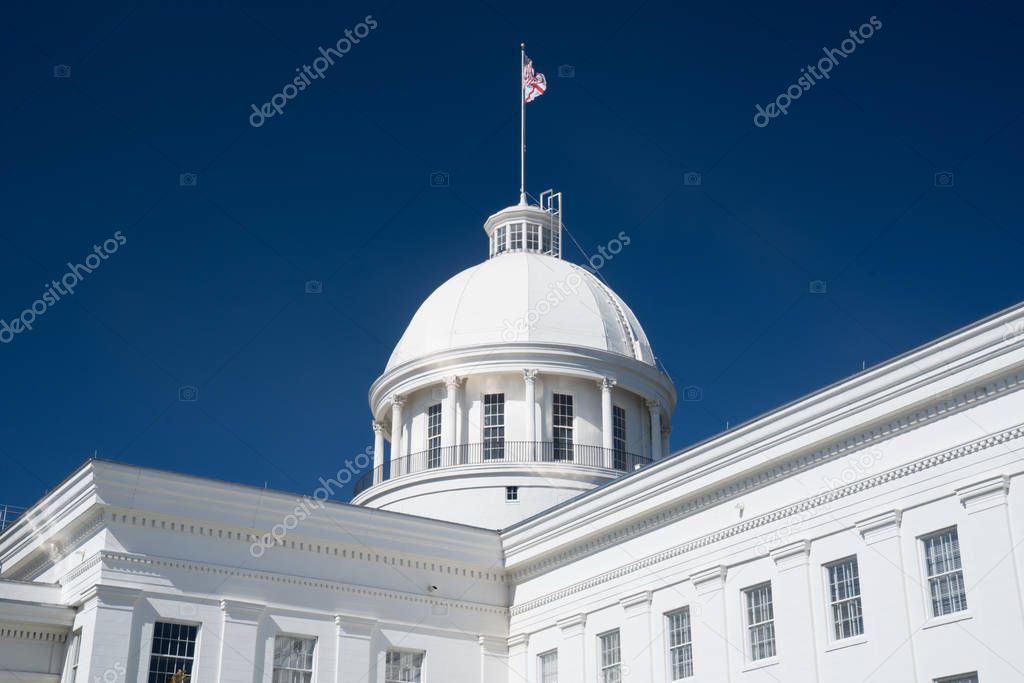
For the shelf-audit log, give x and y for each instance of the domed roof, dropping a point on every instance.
(523, 297)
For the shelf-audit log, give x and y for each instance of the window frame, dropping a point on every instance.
(831, 604)
(195, 645)
(686, 644)
(562, 448)
(620, 455)
(312, 656)
(971, 677)
(493, 440)
(532, 237)
(433, 435)
(403, 651)
(929, 595)
(602, 667)
(511, 494)
(515, 236)
(750, 627)
(541, 662)
(74, 654)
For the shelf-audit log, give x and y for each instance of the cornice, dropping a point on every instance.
(630, 373)
(34, 633)
(240, 611)
(791, 555)
(708, 580)
(572, 625)
(355, 627)
(783, 468)
(149, 565)
(801, 507)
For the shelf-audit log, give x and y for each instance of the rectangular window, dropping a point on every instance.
(680, 645)
(611, 657)
(293, 659)
(945, 572)
(494, 426)
(173, 653)
(515, 236)
(844, 599)
(619, 437)
(962, 678)
(512, 494)
(561, 426)
(434, 435)
(73, 653)
(548, 667)
(403, 667)
(532, 236)
(760, 621)
(499, 242)
(545, 246)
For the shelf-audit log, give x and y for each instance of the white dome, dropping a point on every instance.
(523, 297)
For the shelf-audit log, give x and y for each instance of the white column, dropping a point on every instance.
(530, 404)
(637, 645)
(396, 431)
(519, 657)
(882, 573)
(448, 419)
(708, 615)
(355, 652)
(493, 659)
(988, 549)
(106, 621)
(607, 422)
(378, 451)
(238, 641)
(665, 432)
(571, 653)
(655, 408)
(792, 563)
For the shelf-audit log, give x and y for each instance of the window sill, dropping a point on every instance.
(845, 643)
(948, 619)
(761, 663)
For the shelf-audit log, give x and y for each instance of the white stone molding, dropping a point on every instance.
(355, 627)
(572, 626)
(241, 611)
(709, 580)
(791, 555)
(985, 494)
(530, 403)
(637, 604)
(655, 409)
(520, 640)
(109, 597)
(880, 527)
(34, 633)
(607, 421)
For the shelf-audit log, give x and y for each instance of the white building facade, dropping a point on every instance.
(527, 523)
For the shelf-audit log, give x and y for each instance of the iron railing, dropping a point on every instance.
(8, 515)
(499, 452)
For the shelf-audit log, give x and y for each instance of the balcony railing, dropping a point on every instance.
(502, 452)
(8, 515)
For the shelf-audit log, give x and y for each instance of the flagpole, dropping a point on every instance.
(522, 125)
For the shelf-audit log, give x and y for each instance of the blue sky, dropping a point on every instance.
(208, 288)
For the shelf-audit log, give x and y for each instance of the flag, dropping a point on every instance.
(534, 84)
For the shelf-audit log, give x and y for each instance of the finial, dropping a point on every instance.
(522, 46)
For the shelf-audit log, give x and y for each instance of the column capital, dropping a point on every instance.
(572, 626)
(453, 381)
(359, 627)
(707, 580)
(397, 400)
(880, 527)
(607, 383)
(114, 597)
(376, 426)
(985, 494)
(791, 555)
(520, 640)
(241, 611)
(530, 374)
(493, 645)
(636, 604)
(652, 404)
